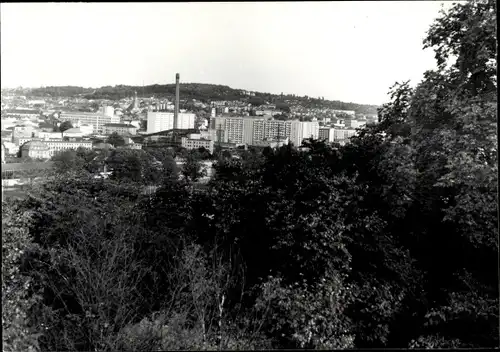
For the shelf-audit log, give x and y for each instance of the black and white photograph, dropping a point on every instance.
(225, 176)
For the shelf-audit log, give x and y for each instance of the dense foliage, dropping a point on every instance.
(388, 241)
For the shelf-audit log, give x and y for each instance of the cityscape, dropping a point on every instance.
(35, 128)
(204, 212)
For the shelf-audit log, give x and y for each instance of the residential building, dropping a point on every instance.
(122, 129)
(195, 141)
(163, 121)
(353, 123)
(343, 135)
(21, 112)
(271, 143)
(245, 130)
(23, 131)
(49, 135)
(351, 113)
(326, 134)
(48, 148)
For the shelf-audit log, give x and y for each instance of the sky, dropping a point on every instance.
(349, 51)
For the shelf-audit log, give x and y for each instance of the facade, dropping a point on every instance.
(326, 134)
(49, 135)
(346, 112)
(195, 141)
(35, 150)
(271, 143)
(48, 148)
(87, 130)
(249, 131)
(3, 154)
(337, 135)
(343, 135)
(352, 123)
(122, 129)
(59, 146)
(22, 113)
(97, 121)
(162, 121)
(21, 141)
(23, 131)
(107, 110)
(72, 133)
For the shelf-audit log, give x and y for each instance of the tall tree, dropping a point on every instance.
(66, 125)
(116, 140)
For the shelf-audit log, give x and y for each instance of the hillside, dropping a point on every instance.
(198, 91)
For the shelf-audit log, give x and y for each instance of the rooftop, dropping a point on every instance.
(27, 166)
(21, 111)
(35, 145)
(119, 125)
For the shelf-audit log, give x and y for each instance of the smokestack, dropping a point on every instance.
(176, 108)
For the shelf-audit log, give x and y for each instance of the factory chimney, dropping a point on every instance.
(176, 108)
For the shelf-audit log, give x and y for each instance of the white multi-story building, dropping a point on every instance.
(162, 121)
(59, 146)
(247, 130)
(122, 129)
(337, 135)
(352, 123)
(85, 118)
(49, 135)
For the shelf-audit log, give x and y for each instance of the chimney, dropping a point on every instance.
(176, 108)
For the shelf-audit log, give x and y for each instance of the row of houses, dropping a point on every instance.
(45, 149)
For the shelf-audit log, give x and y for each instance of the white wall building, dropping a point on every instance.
(195, 141)
(252, 131)
(352, 123)
(84, 118)
(162, 121)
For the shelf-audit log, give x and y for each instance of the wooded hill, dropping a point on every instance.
(199, 91)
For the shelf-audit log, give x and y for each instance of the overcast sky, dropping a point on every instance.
(349, 51)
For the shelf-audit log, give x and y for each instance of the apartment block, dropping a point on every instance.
(162, 121)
